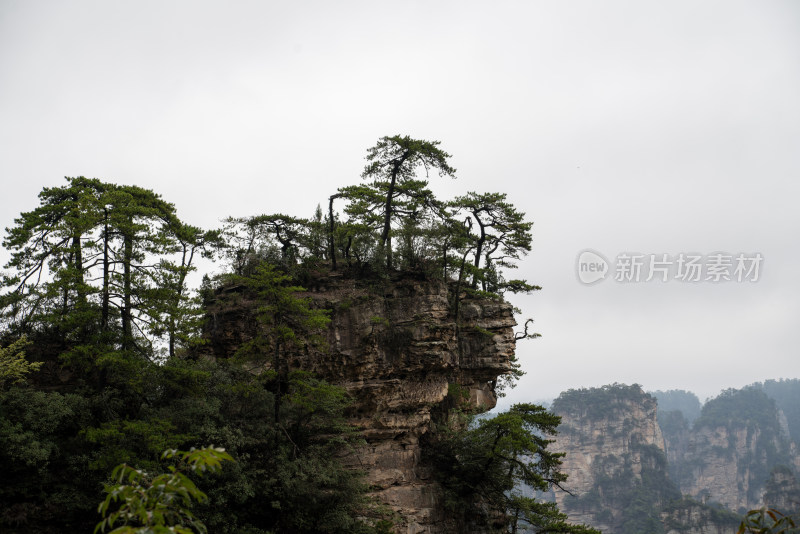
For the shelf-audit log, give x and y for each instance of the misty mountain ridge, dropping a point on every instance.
(662, 462)
(784, 392)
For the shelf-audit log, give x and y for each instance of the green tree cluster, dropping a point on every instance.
(97, 370)
(159, 504)
(489, 467)
(100, 367)
(57, 449)
(14, 367)
(98, 264)
(596, 404)
(392, 220)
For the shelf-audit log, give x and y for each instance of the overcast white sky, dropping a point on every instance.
(638, 126)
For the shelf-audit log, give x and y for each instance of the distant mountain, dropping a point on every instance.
(680, 400)
(739, 438)
(786, 394)
(659, 463)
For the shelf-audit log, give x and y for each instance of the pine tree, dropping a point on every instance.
(502, 235)
(99, 261)
(392, 170)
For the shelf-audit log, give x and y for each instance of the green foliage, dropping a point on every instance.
(768, 521)
(285, 318)
(483, 465)
(394, 200)
(14, 368)
(274, 238)
(46, 486)
(98, 282)
(377, 320)
(160, 503)
(123, 441)
(393, 221)
(596, 404)
(102, 263)
(501, 238)
(288, 476)
(745, 406)
(52, 468)
(457, 391)
(285, 322)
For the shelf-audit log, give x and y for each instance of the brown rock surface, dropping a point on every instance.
(603, 441)
(394, 346)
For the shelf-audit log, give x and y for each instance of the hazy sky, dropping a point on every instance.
(652, 127)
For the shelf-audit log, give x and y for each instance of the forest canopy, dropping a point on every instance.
(100, 330)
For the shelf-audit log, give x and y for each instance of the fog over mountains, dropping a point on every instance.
(661, 462)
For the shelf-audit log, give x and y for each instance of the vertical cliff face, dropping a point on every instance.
(675, 429)
(688, 517)
(630, 471)
(782, 490)
(612, 442)
(731, 449)
(718, 467)
(616, 459)
(396, 347)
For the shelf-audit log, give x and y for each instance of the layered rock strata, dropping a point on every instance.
(608, 434)
(396, 347)
(616, 460)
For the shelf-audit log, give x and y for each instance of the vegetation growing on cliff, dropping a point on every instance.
(786, 394)
(630, 489)
(486, 465)
(393, 221)
(750, 414)
(595, 404)
(768, 521)
(101, 329)
(629, 486)
(747, 406)
(630, 501)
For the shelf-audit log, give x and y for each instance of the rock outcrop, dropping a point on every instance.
(782, 490)
(689, 517)
(732, 448)
(611, 438)
(396, 347)
(717, 469)
(616, 460)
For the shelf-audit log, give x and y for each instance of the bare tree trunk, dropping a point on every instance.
(386, 237)
(331, 243)
(478, 250)
(78, 264)
(279, 376)
(106, 296)
(127, 327)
